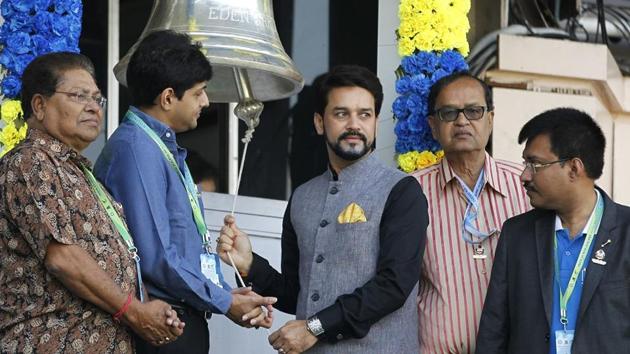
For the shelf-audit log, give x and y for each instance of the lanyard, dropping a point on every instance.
(472, 198)
(119, 224)
(186, 178)
(590, 235)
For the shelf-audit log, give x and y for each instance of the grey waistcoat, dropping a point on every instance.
(335, 258)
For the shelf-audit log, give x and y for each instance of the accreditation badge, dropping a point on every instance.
(211, 268)
(564, 340)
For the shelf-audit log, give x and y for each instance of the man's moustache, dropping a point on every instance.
(348, 134)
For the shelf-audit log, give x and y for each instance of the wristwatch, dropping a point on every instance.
(314, 326)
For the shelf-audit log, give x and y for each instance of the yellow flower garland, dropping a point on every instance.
(433, 25)
(416, 160)
(15, 129)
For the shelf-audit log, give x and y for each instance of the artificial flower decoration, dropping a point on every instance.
(31, 28)
(432, 43)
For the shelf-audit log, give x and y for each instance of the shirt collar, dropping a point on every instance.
(162, 130)
(491, 175)
(43, 140)
(591, 218)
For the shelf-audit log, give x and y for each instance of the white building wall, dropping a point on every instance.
(387, 62)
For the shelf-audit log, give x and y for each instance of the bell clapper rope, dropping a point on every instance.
(248, 110)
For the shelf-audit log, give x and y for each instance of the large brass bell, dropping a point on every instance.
(240, 40)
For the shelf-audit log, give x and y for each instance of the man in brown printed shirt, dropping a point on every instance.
(65, 268)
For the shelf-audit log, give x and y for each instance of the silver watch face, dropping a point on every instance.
(315, 326)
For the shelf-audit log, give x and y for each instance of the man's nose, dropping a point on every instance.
(353, 122)
(205, 102)
(461, 119)
(93, 106)
(527, 174)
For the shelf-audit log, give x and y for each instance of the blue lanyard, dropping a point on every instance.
(469, 231)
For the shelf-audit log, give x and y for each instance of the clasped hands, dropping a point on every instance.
(154, 321)
(291, 338)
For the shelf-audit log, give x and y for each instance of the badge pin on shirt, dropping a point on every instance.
(600, 254)
(479, 252)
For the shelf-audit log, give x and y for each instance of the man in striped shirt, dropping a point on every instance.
(470, 195)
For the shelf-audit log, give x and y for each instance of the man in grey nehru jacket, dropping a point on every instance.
(352, 238)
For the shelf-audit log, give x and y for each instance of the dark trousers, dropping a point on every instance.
(194, 340)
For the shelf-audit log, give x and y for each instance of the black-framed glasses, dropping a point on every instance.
(536, 166)
(84, 98)
(450, 114)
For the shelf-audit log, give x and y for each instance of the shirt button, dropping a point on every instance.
(315, 297)
(334, 190)
(483, 271)
(339, 336)
(323, 223)
(168, 135)
(567, 253)
(319, 259)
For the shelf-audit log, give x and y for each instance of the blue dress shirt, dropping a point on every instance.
(567, 255)
(159, 215)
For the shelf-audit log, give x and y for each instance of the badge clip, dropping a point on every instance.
(479, 253)
(599, 257)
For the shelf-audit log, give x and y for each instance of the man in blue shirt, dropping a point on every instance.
(559, 281)
(145, 170)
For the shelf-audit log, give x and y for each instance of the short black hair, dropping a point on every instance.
(439, 85)
(347, 76)
(572, 133)
(165, 59)
(42, 75)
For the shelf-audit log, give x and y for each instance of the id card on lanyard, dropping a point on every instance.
(209, 261)
(564, 337)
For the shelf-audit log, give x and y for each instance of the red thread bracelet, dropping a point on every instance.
(118, 315)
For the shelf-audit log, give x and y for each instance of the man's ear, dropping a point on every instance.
(167, 98)
(433, 124)
(38, 106)
(318, 121)
(577, 168)
(490, 115)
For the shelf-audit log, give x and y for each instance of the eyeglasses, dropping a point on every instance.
(86, 99)
(450, 114)
(536, 166)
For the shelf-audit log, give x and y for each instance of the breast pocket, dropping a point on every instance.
(359, 239)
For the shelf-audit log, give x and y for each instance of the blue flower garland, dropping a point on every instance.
(32, 28)
(416, 74)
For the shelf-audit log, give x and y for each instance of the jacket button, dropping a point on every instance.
(339, 336)
(315, 297)
(323, 223)
(319, 259)
(547, 338)
(334, 190)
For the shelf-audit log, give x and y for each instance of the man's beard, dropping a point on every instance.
(349, 154)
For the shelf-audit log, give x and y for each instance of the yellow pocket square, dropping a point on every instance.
(351, 214)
